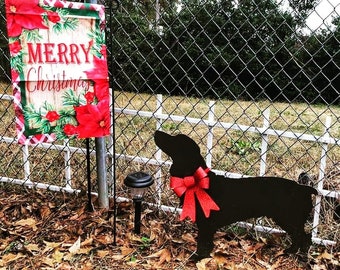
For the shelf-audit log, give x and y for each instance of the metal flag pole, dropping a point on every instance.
(113, 160)
(103, 198)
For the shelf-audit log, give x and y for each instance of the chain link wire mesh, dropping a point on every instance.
(254, 83)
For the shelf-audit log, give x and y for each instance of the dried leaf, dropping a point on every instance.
(249, 247)
(45, 212)
(30, 222)
(233, 243)
(88, 266)
(206, 264)
(104, 253)
(277, 263)
(65, 266)
(264, 264)
(116, 257)
(87, 242)
(177, 240)
(32, 247)
(319, 267)
(326, 255)
(75, 247)
(86, 250)
(10, 257)
(58, 256)
(126, 250)
(164, 255)
(50, 246)
(79, 213)
(105, 239)
(187, 237)
(134, 237)
(48, 261)
(220, 260)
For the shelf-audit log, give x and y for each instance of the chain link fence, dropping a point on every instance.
(254, 83)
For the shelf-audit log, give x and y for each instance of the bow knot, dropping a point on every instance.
(194, 187)
(189, 181)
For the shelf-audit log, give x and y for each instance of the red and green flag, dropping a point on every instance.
(59, 69)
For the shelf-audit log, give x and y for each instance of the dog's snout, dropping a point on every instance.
(158, 135)
(162, 138)
(163, 141)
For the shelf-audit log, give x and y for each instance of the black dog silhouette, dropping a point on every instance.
(285, 201)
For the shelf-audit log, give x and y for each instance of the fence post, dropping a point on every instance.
(67, 161)
(158, 155)
(103, 196)
(322, 169)
(264, 146)
(26, 164)
(211, 119)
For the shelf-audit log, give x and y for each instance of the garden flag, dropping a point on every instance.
(59, 69)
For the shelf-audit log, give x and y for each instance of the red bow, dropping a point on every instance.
(191, 186)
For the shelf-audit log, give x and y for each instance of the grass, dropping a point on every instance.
(233, 150)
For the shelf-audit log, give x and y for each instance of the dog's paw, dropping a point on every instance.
(292, 249)
(195, 257)
(297, 254)
(198, 257)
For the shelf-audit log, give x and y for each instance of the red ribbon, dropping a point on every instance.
(192, 186)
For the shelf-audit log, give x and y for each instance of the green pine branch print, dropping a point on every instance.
(65, 24)
(67, 116)
(36, 117)
(71, 99)
(47, 107)
(32, 35)
(46, 119)
(17, 62)
(99, 40)
(32, 115)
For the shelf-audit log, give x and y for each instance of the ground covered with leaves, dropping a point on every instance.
(45, 230)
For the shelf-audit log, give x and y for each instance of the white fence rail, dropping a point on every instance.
(324, 140)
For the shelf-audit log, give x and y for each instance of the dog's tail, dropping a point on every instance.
(312, 190)
(306, 180)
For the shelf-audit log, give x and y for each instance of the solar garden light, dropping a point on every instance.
(138, 183)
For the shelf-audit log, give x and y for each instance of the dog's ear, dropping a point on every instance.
(185, 146)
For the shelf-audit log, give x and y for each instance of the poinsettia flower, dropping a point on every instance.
(15, 48)
(94, 120)
(98, 74)
(53, 16)
(52, 116)
(89, 96)
(70, 130)
(23, 15)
